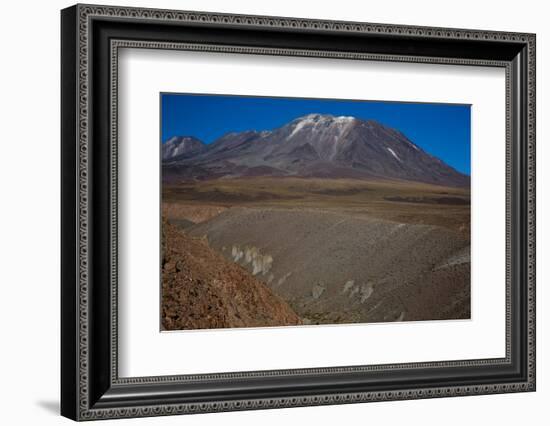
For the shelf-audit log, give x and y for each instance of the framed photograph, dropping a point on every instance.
(263, 212)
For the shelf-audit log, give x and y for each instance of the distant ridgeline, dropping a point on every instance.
(315, 145)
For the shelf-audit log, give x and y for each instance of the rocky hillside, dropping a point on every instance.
(315, 145)
(340, 267)
(181, 147)
(201, 289)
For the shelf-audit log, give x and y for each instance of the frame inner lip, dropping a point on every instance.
(115, 45)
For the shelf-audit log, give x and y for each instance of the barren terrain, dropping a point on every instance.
(335, 250)
(201, 289)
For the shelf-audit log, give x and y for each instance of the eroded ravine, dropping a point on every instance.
(335, 267)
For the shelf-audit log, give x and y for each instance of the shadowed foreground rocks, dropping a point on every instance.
(201, 289)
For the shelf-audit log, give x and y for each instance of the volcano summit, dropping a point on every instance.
(314, 145)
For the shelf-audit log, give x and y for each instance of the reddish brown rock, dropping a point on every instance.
(201, 289)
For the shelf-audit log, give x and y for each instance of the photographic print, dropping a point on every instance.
(295, 212)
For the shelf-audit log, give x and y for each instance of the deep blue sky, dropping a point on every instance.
(442, 130)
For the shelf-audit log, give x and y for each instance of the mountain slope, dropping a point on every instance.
(201, 289)
(179, 146)
(316, 145)
(336, 267)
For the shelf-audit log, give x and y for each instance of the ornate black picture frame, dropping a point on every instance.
(91, 36)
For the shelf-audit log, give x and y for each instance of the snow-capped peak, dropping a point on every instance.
(178, 145)
(316, 117)
(344, 119)
(323, 120)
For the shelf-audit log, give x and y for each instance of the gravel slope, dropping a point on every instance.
(201, 289)
(338, 268)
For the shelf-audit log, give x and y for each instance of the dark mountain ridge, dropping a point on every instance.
(181, 147)
(314, 145)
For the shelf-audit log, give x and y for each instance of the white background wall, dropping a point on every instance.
(29, 225)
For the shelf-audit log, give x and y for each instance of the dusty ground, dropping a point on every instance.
(339, 250)
(336, 267)
(402, 202)
(200, 289)
(192, 213)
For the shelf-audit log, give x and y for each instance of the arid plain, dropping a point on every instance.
(313, 251)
